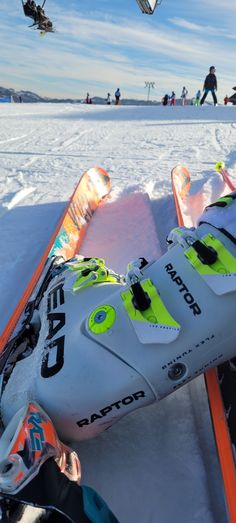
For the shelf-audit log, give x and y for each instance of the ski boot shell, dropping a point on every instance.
(106, 348)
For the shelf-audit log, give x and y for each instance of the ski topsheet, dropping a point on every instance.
(93, 186)
(220, 383)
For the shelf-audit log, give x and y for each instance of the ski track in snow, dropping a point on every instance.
(159, 464)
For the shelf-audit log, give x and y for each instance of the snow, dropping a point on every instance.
(125, 223)
(158, 464)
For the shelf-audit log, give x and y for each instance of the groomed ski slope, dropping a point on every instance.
(159, 464)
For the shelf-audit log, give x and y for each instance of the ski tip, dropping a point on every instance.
(219, 166)
(181, 181)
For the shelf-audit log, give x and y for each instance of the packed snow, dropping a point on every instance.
(158, 465)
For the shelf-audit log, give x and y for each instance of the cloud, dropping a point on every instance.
(205, 29)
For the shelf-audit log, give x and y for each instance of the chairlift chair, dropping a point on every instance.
(148, 6)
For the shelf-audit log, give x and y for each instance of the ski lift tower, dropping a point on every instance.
(149, 85)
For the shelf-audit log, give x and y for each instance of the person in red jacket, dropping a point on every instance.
(226, 99)
(210, 85)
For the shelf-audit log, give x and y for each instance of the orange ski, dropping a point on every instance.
(181, 181)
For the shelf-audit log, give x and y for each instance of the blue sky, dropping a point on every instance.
(100, 45)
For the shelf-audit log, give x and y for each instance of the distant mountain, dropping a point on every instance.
(29, 97)
(24, 96)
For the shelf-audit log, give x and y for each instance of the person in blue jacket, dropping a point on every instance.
(117, 96)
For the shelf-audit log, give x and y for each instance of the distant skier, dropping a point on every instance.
(173, 98)
(165, 99)
(108, 99)
(88, 100)
(226, 100)
(198, 98)
(184, 95)
(117, 96)
(210, 85)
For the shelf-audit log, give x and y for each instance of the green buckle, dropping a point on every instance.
(225, 263)
(89, 272)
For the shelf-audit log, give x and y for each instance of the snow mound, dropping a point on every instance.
(18, 197)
